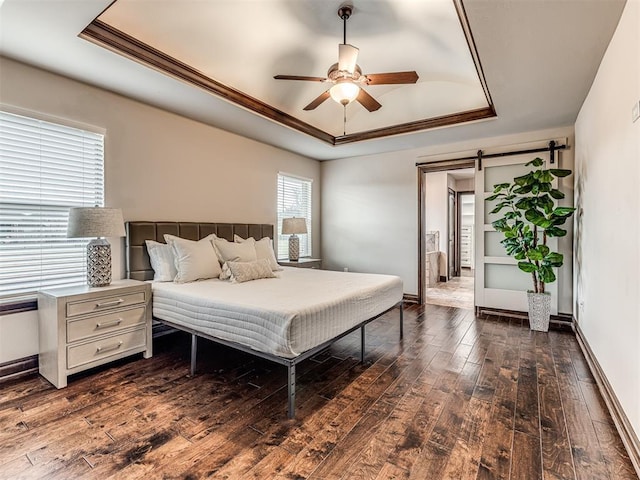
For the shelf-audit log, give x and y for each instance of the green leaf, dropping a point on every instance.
(523, 180)
(546, 176)
(546, 274)
(536, 162)
(555, 232)
(559, 172)
(490, 198)
(554, 259)
(557, 194)
(534, 216)
(534, 255)
(524, 203)
(563, 211)
(544, 250)
(522, 190)
(527, 267)
(500, 186)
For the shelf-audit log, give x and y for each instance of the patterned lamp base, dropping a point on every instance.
(98, 263)
(294, 248)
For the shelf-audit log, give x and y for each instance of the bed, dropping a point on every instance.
(284, 320)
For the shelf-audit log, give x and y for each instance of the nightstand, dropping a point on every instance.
(83, 327)
(302, 263)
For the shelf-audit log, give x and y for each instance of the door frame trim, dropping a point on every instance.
(424, 168)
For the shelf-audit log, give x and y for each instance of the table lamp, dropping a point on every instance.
(96, 222)
(294, 226)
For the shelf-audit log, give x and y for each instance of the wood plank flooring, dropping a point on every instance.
(461, 397)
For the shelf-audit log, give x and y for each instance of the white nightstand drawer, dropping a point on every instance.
(105, 347)
(108, 323)
(103, 304)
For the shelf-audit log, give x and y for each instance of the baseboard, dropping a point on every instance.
(18, 368)
(625, 430)
(561, 321)
(410, 298)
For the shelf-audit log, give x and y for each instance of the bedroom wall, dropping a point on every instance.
(370, 207)
(607, 255)
(158, 166)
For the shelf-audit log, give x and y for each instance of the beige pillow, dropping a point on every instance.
(264, 249)
(193, 260)
(234, 252)
(245, 271)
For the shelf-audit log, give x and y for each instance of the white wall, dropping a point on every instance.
(607, 252)
(158, 166)
(370, 209)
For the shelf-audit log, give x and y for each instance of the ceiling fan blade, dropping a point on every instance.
(347, 57)
(298, 77)
(318, 101)
(391, 78)
(367, 101)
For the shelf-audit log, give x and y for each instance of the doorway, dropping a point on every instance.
(446, 213)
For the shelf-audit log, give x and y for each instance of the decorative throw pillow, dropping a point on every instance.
(245, 271)
(234, 252)
(264, 249)
(162, 261)
(193, 260)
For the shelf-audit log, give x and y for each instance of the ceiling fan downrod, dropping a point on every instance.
(344, 13)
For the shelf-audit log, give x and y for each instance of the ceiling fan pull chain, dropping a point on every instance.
(344, 123)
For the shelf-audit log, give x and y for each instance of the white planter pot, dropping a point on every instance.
(539, 311)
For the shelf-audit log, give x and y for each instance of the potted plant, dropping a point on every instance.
(530, 218)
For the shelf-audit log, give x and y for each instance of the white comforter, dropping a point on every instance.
(284, 316)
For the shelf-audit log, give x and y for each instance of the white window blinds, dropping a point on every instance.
(294, 200)
(45, 168)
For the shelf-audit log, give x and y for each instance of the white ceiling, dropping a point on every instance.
(539, 59)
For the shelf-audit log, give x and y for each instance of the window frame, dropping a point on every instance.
(22, 301)
(306, 244)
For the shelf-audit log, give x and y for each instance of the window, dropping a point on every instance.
(294, 200)
(45, 168)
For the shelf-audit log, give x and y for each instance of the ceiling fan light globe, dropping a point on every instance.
(344, 92)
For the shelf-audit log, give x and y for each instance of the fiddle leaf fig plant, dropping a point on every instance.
(529, 218)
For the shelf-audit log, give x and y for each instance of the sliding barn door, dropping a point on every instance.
(499, 283)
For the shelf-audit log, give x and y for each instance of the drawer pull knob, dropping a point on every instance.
(112, 323)
(113, 346)
(112, 303)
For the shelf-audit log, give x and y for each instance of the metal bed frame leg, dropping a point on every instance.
(401, 320)
(292, 390)
(194, 352)
(362, 344)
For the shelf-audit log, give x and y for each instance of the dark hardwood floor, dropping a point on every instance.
(459, 398)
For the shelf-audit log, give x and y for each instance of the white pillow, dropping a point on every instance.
(245, 271)
(193, 260)
(162, 261)
(264, 249)
(234, 252)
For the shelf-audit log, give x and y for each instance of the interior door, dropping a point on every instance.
(499, 282)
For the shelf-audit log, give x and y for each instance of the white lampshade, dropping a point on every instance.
(293, 226)
(95, 222)
(344, 92)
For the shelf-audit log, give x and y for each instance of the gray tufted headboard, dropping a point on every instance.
(138, 264)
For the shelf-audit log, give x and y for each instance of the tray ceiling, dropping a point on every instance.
(234, 48)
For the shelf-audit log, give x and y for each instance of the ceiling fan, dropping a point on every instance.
(347, 77)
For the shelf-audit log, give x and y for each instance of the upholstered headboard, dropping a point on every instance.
(138, 264)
